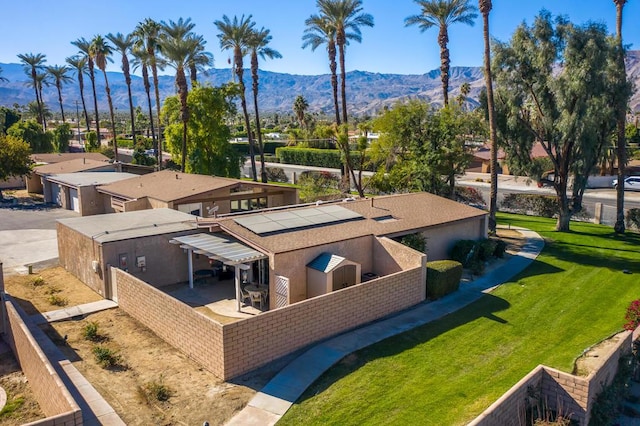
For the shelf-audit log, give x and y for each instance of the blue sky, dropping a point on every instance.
(46, 26)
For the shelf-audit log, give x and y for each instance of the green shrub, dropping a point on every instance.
(416, 241)
(633, 218)
(501, 248)
(443, 277)
(461, 251)
(38, 281)
(276, 174)
(330, 158)
(90, 331)
(476, 266)
(157, 390)
(105, 357)
(538, 205)
(485, 249)
(13, 403)
(56, 300)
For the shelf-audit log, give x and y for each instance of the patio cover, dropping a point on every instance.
(226, 249)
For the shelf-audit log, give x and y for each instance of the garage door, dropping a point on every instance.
(75, 205)
(55, 194)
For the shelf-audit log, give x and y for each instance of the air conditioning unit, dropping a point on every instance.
(95, 265)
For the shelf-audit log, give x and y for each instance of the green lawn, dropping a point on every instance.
(446, 373)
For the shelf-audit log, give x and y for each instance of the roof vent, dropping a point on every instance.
(177, 176)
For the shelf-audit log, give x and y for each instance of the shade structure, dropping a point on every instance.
(220, 247)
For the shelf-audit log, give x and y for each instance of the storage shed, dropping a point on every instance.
(329, 272)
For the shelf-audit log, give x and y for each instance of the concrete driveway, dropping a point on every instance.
(28, 237)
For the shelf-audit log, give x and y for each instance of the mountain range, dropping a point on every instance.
(367, 92)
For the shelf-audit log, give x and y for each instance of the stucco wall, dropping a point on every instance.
(440, 239)
(53, 397)
(75, 254)
(91, 201)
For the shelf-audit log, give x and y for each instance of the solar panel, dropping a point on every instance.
(267, 223)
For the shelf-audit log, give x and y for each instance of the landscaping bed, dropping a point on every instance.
(21, 406)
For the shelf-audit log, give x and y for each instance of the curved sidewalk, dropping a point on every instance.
(273, 401)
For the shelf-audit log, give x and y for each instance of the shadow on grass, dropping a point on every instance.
(485, 307)
(595, 255)
(537, 267)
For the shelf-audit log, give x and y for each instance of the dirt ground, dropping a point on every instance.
(146, 361)
(17, 389)
(592, 358)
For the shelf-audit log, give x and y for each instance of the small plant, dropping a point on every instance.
(56, 300)
(90, 331)
(479, 180)
(633, 316)
(38, 281)
(13, 403)
(52, 290)
(158, 390)
(106, 357)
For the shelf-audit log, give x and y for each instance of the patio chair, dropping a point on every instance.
(244, 295)
(256, 296)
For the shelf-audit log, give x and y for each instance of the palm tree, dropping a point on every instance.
(142, 60)
(235, 35)
(32, 63)
(79, 64)
(42, 80)
(300, 106)
(346, 19)
(147, 35)
(441, 14)
(319, 31)
(258, 46)
(59, 75)
(485, 7)
(199, 58)
(100, 52)
(619, 227)
(177, 52)
(124, 43)
(85, 49)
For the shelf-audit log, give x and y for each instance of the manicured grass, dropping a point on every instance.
(447, 372)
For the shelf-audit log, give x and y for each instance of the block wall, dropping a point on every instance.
(53, 397)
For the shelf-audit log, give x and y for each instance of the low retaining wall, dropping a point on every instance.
(53, 397)
(559, 391)
(233, 349)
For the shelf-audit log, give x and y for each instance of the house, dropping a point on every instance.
(78, 191)
(483, 157)
(201, 195)
(37, 182)
(317, 270)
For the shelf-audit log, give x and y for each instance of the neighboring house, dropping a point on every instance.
(483, 157)
(201, 195)
(78, 191)
(41, 184)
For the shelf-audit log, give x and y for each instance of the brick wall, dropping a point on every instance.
(178, 324)
(562, 392)
(53, 397)
(253, 342)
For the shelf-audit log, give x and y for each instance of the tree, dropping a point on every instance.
(208, 148)
(79, 64)
(559, 109)
(621, 105)
(198, 58)
(485, 8)
(60, 137)
(2, 79)
(147, 35)
(84, 47)
(32, 64)
(442, 14)
(59, 75)
(142, 60)
(300, 106)
(7, 118)
(101, 51)
(258, 47)
(15, 158)
(319, 31)
(31, 132)
(235, 35)
(124, 44)
(346, 19)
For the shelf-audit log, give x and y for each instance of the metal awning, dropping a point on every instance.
(220, 247)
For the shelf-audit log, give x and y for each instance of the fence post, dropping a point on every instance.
(598, 214)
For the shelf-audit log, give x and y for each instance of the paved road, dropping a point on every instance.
(28, 236)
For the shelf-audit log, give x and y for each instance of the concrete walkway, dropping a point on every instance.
(273, 401)
(73, 311)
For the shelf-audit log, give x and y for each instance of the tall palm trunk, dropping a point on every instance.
(60, 100)
(84, 105)
(34, 76)
(333, 66)
(147, 89)
(92, 77)
(154, 72)
(243, 102)
(341, 41)
(113, 121)
(443, 40)
(44, 119)
(127, 79)
(183, 92)
(485, 8)
(254, 76)
(621, 121)
(193, 74)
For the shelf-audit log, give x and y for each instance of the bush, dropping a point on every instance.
(485, 249)
(461, 251)
(538, 205)
(156, 390)
(38, 281)
(416, 241)
(57, 300)
(105, 357)
(330, 158)
(276, 174)
(501, 248)
(470, 196)
(443, 277)
(633, 218)
(90, 331)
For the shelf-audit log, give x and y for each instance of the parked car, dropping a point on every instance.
(632, 183)
(151, 152)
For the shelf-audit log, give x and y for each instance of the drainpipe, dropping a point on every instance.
(190, 262)
(237, 271)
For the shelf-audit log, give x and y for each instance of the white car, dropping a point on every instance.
(632, 183)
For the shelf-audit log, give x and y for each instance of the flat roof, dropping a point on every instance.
(383, 216)
(89, 178)
(72, 166)
(124, 226)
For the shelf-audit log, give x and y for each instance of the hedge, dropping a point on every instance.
(539, 205)
(330, 158)
(270, 147)
(443, 277)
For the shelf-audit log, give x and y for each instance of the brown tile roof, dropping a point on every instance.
(66, 156)
(72, 166)
(410, 213)
(168, 185)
